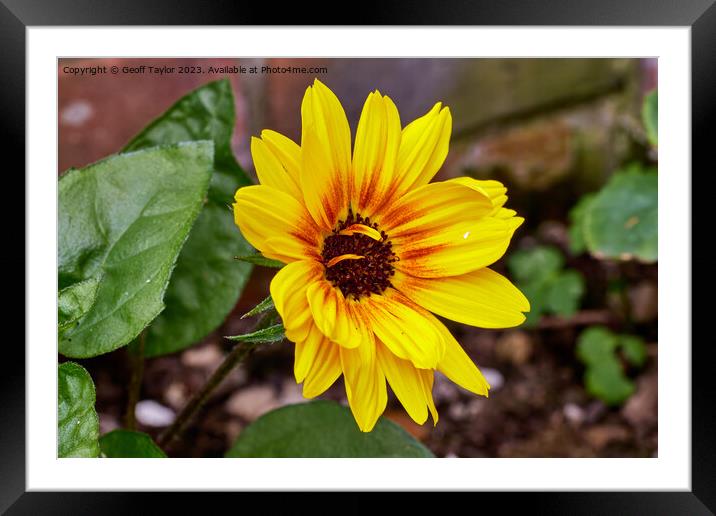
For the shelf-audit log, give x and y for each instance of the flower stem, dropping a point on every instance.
(234, 358)
(136, 356)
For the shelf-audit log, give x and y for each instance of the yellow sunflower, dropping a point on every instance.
(372, 248)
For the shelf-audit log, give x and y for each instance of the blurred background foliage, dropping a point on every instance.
(574, 140)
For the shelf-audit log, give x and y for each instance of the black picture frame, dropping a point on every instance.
(699, 15)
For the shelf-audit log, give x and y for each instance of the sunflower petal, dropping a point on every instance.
(325, 370)
(406, 382)
(423, 148)
(353, 330)
(334, 314)
(445, 229)
(457, 366)
(495, 190)
(365, 384)
(263, 213)
(331, 124)
(316, 361)
(306, 352)
(427, 376)
(302, 360)
(323, 189)
(405, 328)
(376, 151)
(432, 207)
(271, 171)
(288, 290)
(460, 248)
(480, 298)
(288, 153)
(506, 213)
(290, 246)
(362, 229)
(326, 155)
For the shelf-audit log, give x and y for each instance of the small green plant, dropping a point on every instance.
(551, 289)
(620, 220)
(604, 377)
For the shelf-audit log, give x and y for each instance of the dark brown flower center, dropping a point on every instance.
(358, 257)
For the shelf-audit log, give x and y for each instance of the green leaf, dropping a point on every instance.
(263, 306)
(564, 293)
(75, 301)
(650, 116)
(576, 227)
(77, 421)
(206, 283)
(258, 259)
(608, 382)
(622, 220)
(529, 265)
(124, 220)
(273, 333)
(596, 344)
(322, 429)
(633, 349)
(128, 444)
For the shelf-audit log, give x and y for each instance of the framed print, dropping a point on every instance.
(277, 264)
